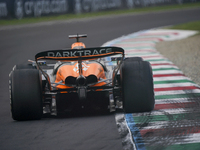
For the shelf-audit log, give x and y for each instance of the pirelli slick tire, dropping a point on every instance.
(137, 86)
(25, 66)
(26, 94)
(134, 59)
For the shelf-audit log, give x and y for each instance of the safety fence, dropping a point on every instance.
(35, 8)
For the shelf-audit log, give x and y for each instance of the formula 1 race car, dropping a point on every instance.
(80, 78)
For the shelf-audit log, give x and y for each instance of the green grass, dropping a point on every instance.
(96, 14)
(188, 26)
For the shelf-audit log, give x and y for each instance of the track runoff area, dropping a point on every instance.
(174, 124)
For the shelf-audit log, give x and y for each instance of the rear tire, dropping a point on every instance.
(26, 94)
(137, 86)
(133, 59)
(25, 66)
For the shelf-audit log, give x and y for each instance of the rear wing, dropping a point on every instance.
(79, 54)
(77, 36)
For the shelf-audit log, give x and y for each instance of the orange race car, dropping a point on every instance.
(80, 78)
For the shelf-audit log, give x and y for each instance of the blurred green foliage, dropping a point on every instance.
(188, 26)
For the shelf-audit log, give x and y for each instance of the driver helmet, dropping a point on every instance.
(78, 45)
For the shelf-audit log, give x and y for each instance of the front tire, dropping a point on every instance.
(137, 86)
(26, 94)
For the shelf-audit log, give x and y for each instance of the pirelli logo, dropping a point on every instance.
(77, 53)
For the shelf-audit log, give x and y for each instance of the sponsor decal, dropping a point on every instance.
(96, 5)
(18, 9)
(130, 3)
(40, 7)
(75, 53)
(84, 67)
(144, 3)
(77, 7)
(105, 4)
(46, 7)
(3, 10)
(37, 8)
(181, 1)
(86, 4)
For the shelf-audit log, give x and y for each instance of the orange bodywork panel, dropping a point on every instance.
(78, 45)
(73, 70)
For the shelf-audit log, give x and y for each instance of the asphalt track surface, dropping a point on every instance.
(73, 132)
